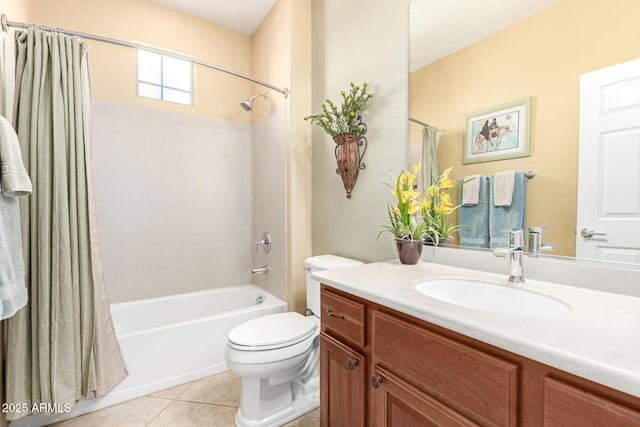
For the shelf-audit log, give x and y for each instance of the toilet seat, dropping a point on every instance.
(272, 332)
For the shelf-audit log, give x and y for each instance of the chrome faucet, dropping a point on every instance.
(515, 251)
(260, 270)
(535, 242)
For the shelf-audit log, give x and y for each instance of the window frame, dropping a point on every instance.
(163, 86)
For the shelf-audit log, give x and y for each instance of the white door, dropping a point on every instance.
(608, 225)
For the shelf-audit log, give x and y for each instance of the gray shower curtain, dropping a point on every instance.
(430, 172)
(62, 346)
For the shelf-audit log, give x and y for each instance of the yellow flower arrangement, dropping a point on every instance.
(404, 222)
(436, 205)
(417, 216)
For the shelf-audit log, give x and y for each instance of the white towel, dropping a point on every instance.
(471, 190)
(14, 180)
(503, 188)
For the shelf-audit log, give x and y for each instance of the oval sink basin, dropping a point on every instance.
(490, 297)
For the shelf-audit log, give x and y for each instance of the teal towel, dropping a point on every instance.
(501, 217)
(476, 217)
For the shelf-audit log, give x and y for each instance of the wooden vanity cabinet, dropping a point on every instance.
(343, 384)
(380, 367)
(566, 405)
(343, 364)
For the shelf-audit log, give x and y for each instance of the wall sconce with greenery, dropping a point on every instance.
(346, 127)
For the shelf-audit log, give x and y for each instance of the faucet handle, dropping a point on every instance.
(516, 235)
(501, 252)
(265, 242)
(538, 229)
(535, 241)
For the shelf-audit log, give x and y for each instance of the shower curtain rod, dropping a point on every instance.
(6, 24)
(411, 119)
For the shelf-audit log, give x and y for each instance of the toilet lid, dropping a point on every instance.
(272, 331)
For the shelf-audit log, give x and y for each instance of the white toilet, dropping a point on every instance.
(277, 357)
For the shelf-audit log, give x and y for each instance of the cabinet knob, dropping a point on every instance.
(334, 315)
(376, 380)
(352, 363)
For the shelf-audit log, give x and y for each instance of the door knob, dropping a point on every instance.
(588, 233)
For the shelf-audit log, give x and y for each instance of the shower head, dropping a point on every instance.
(248, 103)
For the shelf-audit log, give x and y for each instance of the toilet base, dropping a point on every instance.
(281, 408)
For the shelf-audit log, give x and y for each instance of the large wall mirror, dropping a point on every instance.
(478, 55)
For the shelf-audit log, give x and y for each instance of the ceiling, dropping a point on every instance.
(239, 15)
(438, 28)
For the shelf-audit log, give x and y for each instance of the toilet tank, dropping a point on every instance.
(318, 263)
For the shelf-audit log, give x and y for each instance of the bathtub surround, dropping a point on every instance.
(175, 215)
(269, 199)
(58, 350)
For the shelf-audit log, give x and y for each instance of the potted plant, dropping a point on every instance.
(436, 206)
(345, 126)
(405, 223)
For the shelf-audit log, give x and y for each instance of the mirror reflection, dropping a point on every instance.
(538, 50)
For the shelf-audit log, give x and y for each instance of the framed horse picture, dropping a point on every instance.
(497, 133)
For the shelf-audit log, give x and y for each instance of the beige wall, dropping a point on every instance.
(141, 21)
(357, 41)
(541, 56)
(281, 55)
(299, 155)
(271, 56)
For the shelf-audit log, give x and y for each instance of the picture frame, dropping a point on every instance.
(497, 133)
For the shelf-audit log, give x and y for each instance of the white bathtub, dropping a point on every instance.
(172, 340)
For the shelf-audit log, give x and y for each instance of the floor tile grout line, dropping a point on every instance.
(208, 403)
(161, 411)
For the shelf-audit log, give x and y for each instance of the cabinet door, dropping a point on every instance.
(397, 403)
(476, 383)
(342, 384)
(565, 405)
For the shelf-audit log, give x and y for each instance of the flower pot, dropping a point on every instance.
(442, 241)
(409, 251)
(348, 158)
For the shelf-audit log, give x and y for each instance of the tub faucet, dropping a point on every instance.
(260, 270)
(515, 251)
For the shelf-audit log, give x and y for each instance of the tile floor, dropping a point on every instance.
(209, 402)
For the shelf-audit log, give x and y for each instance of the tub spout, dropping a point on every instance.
(260, 270)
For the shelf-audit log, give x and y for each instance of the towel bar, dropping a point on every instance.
(528, 175)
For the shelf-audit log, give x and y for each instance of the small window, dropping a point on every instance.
(165, 77)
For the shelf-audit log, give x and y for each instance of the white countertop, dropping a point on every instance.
(599, 339)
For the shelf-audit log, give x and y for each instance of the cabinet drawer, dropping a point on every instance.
(565, 405)
(343, 317)
(479, 385)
